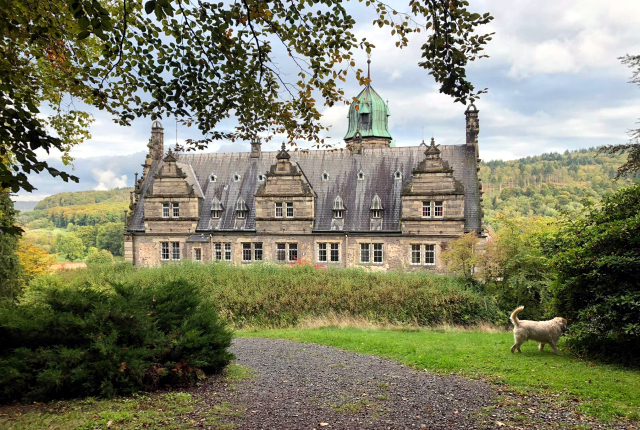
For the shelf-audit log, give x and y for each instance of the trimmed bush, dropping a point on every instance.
(99, 257)
(81, 340)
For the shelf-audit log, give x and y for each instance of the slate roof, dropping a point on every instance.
(237, 176)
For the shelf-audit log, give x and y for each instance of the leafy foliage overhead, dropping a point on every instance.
(200, 62)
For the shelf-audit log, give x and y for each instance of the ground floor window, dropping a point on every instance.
(222, 251)
(175, 250)
(286, 252)
(197, 254)
(333, 255)
(322, 252)
(428, 251)
(227, 252)
(335, 252)
(249, 250)
(169, 250)
(164, 253)
(377, 253)
(364, 253)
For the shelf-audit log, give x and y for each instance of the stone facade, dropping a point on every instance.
(377, 208)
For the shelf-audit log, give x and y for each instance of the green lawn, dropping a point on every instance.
(606, 392)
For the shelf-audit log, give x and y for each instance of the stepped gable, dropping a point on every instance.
(237, 175)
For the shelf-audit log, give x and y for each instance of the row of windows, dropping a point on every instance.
(327, 252)
(171, 210)
(325, 176)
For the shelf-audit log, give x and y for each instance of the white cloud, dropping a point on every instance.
(108, 180)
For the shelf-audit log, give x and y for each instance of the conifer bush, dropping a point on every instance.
(65, 341)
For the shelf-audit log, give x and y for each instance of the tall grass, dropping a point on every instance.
(265, 295)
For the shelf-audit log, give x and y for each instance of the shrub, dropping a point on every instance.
(69, 341)
(99, 257)
(598, 259)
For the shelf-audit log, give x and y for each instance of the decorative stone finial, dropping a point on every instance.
(432, 152)
(283, 154)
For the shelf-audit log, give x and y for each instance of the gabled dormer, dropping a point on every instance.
(433, 200)
(376, 212)
(285, 201)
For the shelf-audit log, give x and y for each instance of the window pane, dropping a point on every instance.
(165, 250)
(293, 251)
(165, 210)
(227, 252)
(175, 250)
(290, 210)
(415, 254)
(257, 251)
(430, 255)
(335, 252)
(377, 253)
(278, 210)
(437, 209)
(176, 209)
(281, 251)
(322, 252)
(364, 253)
(426, 209)
(198, 254)
(218, 251)
(246, 252)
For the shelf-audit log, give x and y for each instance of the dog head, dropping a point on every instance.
(562, 323)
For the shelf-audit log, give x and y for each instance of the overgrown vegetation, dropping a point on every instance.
(64, 341)
(597, 256)
(273, 296)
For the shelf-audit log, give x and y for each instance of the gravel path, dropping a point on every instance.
(308, 386)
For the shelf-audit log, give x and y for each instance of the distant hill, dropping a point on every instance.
(549, 183)
(84, 198)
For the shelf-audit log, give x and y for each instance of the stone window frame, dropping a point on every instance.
(338, 213)
(397, 175)
(381, 251)
(279, 205)
(376, 213)
(426, 209)
(166, 209)
(331, 250)
(216, 214)
(360, 175)
(289, 206)
(322, 250)
(430, 208)
(175, 251)
(438, 205)
(175, 209)
(328, 252)
(292, 251)
(164, 251)
(286, 250)
(424, 249)
(252, 250)
(246, 252)
(416, 252)
(365, 247)
(434, 250)
(324, 176)
(197, 254)
(227, 251)
(241, 214)
(258, 251)
(224, 252)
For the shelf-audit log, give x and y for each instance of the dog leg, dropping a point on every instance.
(513, 348)
(541, 346)
(553, 346)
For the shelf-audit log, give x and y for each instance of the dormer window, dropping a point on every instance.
(241, 209)
(236, 177)
(215, 214)
(338, 208)
(325, 176)
(261, 177)
(360, 175)
(376, 207)
(216, 208)
(398, 174)
(213, 178)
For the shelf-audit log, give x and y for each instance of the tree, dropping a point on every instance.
(34, 261)
(597, 256)
(9, 263)
(99, 257)
(461, 256)
(88, 235)
(70, 246)
(631, 148)
(111, 237)
(200, 63)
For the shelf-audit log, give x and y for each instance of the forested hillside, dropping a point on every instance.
(549, 183)
(84, 198)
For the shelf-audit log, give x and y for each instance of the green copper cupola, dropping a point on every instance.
(368, 120)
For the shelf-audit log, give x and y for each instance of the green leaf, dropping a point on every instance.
(83, 34)
(150, 6)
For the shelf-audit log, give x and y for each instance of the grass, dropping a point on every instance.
(602, 391)
(175, 410)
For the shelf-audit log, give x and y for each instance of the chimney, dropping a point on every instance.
(473, 127)
(256, 148)
(156, 145)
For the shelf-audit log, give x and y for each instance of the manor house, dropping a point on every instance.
(373, 205)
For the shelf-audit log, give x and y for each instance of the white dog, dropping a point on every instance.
(538, 331)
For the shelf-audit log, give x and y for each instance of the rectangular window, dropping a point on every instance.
(198, 254)
(377, 253)
(241, 214)
(175, 250)
(364, 253)
(426, 209)
(376, 213)
(278, 210)
(289, 210)
(257, 251)
(165, 210)
(335, 252)
(218, 249)
(293, 251)
(176, 209)
(437, 210)
(164, 255)
(281, 251)
(322, 252)
(227, 252)
(337, 213)
(215, 214)
(246, 252)
(430, 255)
(416, 257)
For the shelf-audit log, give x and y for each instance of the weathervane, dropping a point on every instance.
(369, 67)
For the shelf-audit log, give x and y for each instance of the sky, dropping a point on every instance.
(554, 79)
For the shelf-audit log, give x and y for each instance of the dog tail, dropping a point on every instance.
(514, 316)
